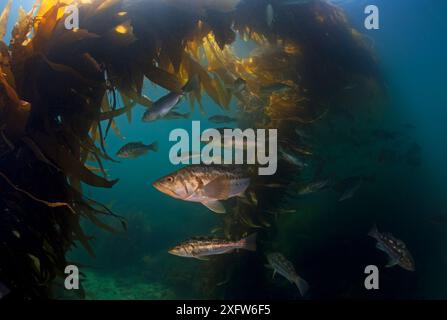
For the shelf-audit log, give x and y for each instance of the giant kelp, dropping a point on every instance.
(60, 91)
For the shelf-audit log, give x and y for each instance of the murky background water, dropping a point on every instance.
(327, 239)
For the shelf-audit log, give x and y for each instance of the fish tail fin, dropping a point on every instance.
(192, 84)
(374, 232)
(249, 243)
(302, 285)
(154, 146)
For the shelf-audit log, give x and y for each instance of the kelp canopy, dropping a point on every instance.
(60, 91)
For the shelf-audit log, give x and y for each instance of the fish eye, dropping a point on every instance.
(170, 179)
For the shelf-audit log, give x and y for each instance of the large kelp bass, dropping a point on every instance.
(60, 91)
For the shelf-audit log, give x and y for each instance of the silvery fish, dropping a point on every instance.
(135, 149)
(206, 184)
(163, 106)
(173, 115)
(352, 186)
(201, 248)
(284, 267)
(239, 85)
(396, 249)
(275, 87)
(290, 158)
(314, 187)
(230, 140)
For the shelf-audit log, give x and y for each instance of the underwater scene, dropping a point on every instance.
(223, 149)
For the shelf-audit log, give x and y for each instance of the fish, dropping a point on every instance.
(163, 106)
(205, 184)
(4, 290)
(351, 190)
(269, 15)
(202, 248)
(290, 158)
(350, 87)
(221, 119)
(300, 133)
(239, 85)
(228, 141)
(133, 150)
(348, 187)
(189, 156)
(275, 185)
(397, 251)
(275, 87)
(284, 267)
(174, 115)
(314, 187)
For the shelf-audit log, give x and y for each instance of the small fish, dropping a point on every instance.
(202, 248)
(4, 291)
(314, 187)
(133, 150)
(290, 158)
(281, 211)
(350, 192)
(189, 156)
(275, 87)
(230, 140)
(221, 119)
(206, 184)
(349, 87)
(396, 249)
(349, 187)
(239, 85)
(163, 106)
(275, 185)
(269, 15)
(284, 267)
(300, 133)
(186, 156)
(174, 115)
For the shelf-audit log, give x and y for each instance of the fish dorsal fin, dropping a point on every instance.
(215, 206)
(219, 188)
